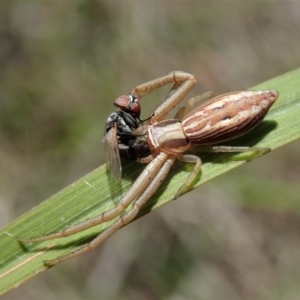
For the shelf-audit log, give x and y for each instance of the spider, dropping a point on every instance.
(220, 119)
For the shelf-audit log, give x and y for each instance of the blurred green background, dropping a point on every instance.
(62, 64)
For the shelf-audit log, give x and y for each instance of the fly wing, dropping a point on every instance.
(112, 154)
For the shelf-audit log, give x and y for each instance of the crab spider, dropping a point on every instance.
(219, 119)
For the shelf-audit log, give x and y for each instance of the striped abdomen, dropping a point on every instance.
(227, 116)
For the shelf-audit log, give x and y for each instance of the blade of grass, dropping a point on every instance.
(97, 192)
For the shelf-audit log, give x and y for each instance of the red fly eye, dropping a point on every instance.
(135, 108)
(123, 102)
(130, 104)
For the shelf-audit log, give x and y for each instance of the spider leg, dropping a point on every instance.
(183, 83)
(214, 149)
(189, 158)
(138, 187)
(182, 111)
(147, 159)
(124, 219)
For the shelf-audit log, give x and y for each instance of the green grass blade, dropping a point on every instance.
(97, 192)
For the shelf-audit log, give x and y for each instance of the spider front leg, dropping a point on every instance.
(183, 83)
(144, 186)
(134, 192)
(125, 218)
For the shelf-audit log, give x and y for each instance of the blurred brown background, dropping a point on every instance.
(62, 64)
